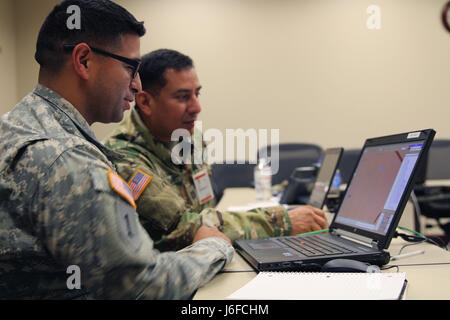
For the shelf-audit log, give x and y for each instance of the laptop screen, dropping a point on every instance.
(325, 176)
(377, 186)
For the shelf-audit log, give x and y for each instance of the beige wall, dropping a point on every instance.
(8, 74)
(29, 16)
(310, 68)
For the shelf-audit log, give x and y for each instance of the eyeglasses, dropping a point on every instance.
(446, 16)
(135, 63)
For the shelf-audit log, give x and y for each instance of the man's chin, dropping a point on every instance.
(116, 119)
(182, 131)
(189, 127)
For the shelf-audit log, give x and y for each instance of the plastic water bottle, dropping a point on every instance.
(263, 180)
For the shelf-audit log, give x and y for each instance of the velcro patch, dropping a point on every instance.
(127, 221)
(138, 183)
(121, 187)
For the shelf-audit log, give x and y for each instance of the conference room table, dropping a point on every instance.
(428, 274)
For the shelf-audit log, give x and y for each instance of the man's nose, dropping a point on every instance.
(195, 106)
(136, 84)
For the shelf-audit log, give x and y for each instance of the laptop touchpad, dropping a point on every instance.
(261, 245)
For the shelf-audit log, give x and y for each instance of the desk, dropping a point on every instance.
(424, 282)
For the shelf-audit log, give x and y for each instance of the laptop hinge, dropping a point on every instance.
(356, 237)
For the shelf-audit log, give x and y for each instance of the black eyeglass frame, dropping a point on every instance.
(135, 63)
(445, 14)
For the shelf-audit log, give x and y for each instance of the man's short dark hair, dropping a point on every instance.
(102, 24)
(155, 64)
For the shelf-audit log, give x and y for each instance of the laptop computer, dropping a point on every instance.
(368, 215)
(305, 188)
(330, 163)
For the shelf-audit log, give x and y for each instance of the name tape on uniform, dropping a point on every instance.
(203, 186)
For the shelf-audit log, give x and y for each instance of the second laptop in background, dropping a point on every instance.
(322, 184)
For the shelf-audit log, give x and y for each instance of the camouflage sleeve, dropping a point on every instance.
(183, 234)
(82, 222)
(162, 211)
(173, 225)
(254, 224)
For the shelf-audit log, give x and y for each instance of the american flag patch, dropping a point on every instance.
(138, 183)
(121, 187)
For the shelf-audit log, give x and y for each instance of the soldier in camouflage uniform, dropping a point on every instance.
(169, 205)
(61, 202)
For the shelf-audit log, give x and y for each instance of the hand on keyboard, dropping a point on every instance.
(306, 219)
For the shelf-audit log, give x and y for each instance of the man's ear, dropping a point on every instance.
(145, 102)
(82, 60)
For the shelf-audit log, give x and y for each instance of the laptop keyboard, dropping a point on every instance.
(314, 246)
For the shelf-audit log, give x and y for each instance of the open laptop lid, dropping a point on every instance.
(380, 186)
(330, 162)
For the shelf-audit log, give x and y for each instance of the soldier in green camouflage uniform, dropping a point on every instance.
(169, 207)
(61, 202)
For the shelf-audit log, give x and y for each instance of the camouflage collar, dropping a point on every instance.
(162, 150)
(64, 106)
(75, 116)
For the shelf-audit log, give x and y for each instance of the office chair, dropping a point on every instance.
(291, 156)
(434, 201)
(231, 176)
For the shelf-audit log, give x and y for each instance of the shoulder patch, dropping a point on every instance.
(121, 187)
(127, 221)
(138, 183)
